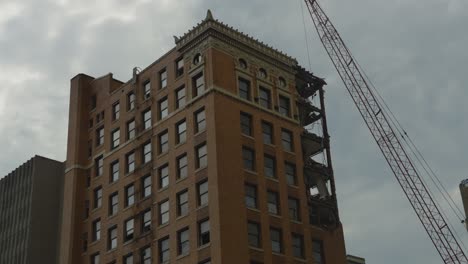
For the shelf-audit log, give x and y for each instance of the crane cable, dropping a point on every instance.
(419, 157)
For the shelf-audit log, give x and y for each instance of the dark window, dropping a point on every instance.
(198, 84)
(202, 156)
(146, 184)
(163, 79)
(179, 67)
(242, 63)
(130, 158)
(164, 250)
(100, 136)
(282, 82)
(93, 102)
(254, 234)
(262, 73)
(164, 212)
(90, 148)
(112, 238)
(204, 232)
(97, 197)
(115, 111)
(197, 58)
(298, 245)
(284, 106)
(115, 137)
(267, 132)
(95, 258)
(290, 170)
(129, 195)
(181, 128)
(163, 142)
(128, 259)
(147, 119)
(276, 240)
(146, 255)
(246, 124)
(293, 205)
(85, 242)
(251, 196)
(182, 166)
(147, 152)
(202, 189)
(248, 155)
(287, 140)
(317, 252)
(97, 229)
(244, 89)
(269, 168)
(131, 101)
(163, 108)
(129, 230)
(163, 176)
(114, 171)
(130, 129)
(183, 242)
(99, 165)
(273, 202)
(113, 203)
(182, 203)
(147, 89)
(200, 120)
(146, 221)
(265, 97)
(180, 97)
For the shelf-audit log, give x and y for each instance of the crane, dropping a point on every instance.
(386, 137)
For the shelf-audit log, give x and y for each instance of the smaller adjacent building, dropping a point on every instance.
(30, 209)
(354, 260)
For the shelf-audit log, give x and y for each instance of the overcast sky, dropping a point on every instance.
(413, 50)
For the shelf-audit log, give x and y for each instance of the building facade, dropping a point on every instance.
(30, 212)
(218, 152)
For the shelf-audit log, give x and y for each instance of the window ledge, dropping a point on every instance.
(129, 241)
(289, 152)
(180, 144)
(256, 249)
(112, 216)
(199, 132)
(200, 169)
(251, 171)
(164, 225)
(128, 207)
(160, 155)
(204, 246)
(254, 209)
(299, 222)
(111, 251)
(183, 256)
(248, 136)
(163, 189)
(300, 259)
(181, 179)
(182, 216)
(275, 215)
(272, 179)
(201, 207)
(279, 254)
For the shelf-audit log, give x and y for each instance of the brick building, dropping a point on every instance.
(216, 153)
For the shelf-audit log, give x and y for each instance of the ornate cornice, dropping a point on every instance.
(211, 27)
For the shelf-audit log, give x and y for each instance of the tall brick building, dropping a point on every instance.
(217, 152)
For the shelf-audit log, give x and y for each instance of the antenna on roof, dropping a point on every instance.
(136, 70)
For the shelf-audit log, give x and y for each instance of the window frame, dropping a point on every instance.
(198, 89)
(147, 123)
(182, 204)
(115, 138)
(180, 100)
(130, 163)
(146, 220)
(164, 212)
(200, 120)
(112, 240)
(203, 195)
(131, 100)
(163, 178)
(294, 209)
(163, 108)
(147, 152)
(163, 140)
(268, 133)
(204, 237)
(201, 152)
(273, 202)
(244, 88)
(284, 110)
(252, 161)
(183, 241)
(146, 186)
(279, 241)
(131, 129)
(113, 203)
(247, 189)
(163, 78)
(116, 110)
(164, 250)
(129, 197)
(287, 142)
(269, 172)
(182, 169)
(181, 135)
(115, 171)
(264, 102)
(257, 237)
(246, 123)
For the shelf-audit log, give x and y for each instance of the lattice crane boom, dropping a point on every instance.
(384, 134)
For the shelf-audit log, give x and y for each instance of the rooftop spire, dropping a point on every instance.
(209, 15)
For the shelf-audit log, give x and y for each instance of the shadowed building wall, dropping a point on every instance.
(30, 208)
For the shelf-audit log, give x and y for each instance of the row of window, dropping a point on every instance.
(164, 251)
(262, 73)
(277, 245)
(246, 124)
(273, 202)
(146, 190)
(264, 97)
(131, 131)
(269, 166)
